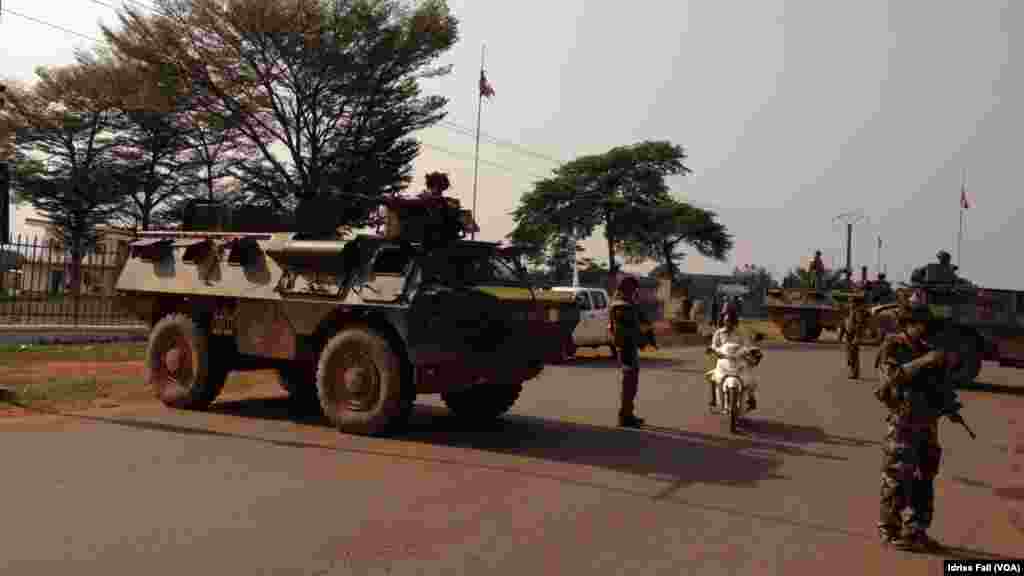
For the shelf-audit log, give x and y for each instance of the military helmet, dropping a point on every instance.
(943, 256)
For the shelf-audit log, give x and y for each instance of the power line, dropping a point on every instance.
(450, 125)
(51, 25)
(498, 141)
(488, 162)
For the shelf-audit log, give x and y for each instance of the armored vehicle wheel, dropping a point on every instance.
(180, 366)
(359, 383)
(483, 402)
(801, 329)
(299, 381)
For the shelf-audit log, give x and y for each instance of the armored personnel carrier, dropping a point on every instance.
(359, 326)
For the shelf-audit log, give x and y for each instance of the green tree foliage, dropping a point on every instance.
(64, 128)
(332, 83)
(596, 190)
(659, 232)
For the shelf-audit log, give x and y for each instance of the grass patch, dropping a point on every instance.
(21, 354)
(70, 392)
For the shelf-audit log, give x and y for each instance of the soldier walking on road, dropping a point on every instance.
(628, 325)
(910, 385)
(853, 331)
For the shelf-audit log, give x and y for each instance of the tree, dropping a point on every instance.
(333, 83)
(757, 276)
(595, 190)
(658, 233)
(63, 162)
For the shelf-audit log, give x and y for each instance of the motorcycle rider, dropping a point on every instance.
(729, 333)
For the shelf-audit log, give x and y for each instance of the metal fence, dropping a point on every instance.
(35, 285)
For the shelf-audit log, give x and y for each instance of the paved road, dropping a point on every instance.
(553, 489)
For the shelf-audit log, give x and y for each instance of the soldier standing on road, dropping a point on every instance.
(911, 376)
(627, 325)
(853, 332)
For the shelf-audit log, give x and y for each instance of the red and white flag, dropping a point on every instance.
(964, 205)
(485, 86)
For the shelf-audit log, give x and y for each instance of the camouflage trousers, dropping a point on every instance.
(853, 359)
(629, 361)
(910, 463)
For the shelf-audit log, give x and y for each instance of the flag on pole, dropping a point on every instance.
(485, 86)
(963, 197)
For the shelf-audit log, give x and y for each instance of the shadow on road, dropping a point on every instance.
(681, 458)
(797, 434)
(993, 388)
(604, 362)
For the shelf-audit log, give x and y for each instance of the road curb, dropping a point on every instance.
(70, 329)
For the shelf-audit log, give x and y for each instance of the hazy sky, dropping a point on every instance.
(792, 112)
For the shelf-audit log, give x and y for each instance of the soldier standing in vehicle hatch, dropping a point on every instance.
(630, 332)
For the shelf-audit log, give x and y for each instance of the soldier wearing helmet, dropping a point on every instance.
(853, 332)
(630, 332)
(910, 372)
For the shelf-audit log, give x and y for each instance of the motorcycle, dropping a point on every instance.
(733, 371)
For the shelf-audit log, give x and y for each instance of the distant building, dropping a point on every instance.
(43, 262)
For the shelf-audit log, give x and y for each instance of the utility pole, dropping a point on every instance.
(849, 219)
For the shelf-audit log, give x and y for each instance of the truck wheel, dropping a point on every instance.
(299, 381)
(359, 383)
(180, 366)
(483, 402)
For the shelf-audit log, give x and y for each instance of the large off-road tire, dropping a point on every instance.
(801, 329)
(182, 368)
(298, 379)
(484, 402)
(359, 382)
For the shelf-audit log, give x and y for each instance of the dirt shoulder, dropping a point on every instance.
(55, 377)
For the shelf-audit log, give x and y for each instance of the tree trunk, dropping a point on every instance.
(76, 274)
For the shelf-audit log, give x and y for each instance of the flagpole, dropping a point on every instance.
(878, 264)
(476, 155)
(960, 233)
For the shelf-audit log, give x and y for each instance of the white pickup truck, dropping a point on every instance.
(592, 330)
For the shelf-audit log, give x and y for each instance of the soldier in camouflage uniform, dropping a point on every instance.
(630, 332)
(910, 385)
(853, 331)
